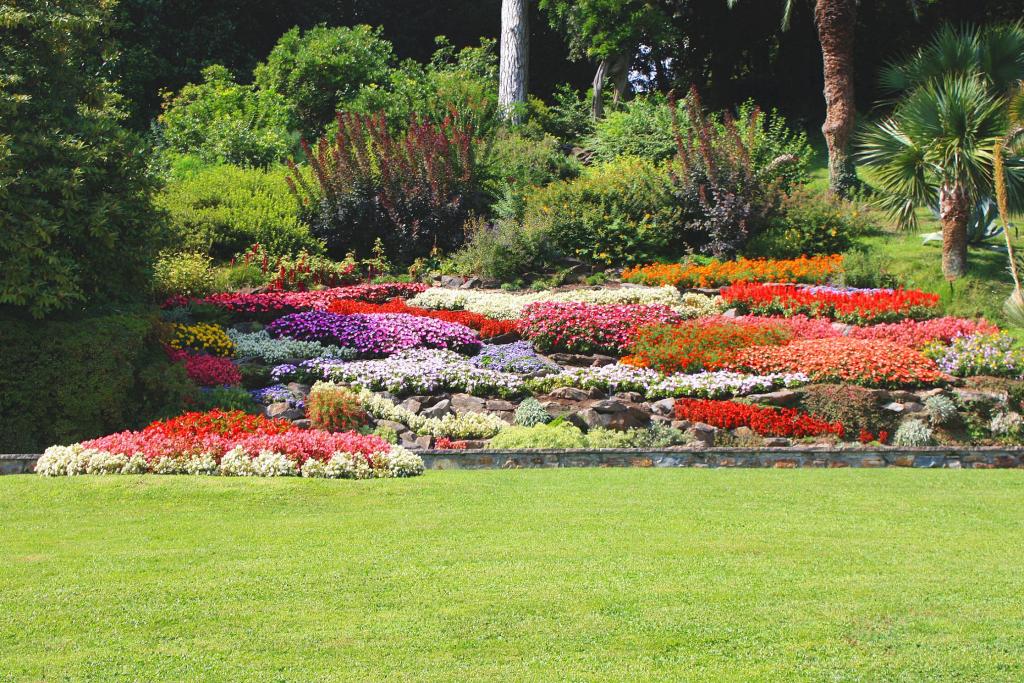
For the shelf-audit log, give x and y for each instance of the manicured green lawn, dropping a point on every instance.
(516, 575)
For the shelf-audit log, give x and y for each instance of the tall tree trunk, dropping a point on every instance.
(514, 57)
(954, 211)
(835, 20)
(597, 103)
(615, 67)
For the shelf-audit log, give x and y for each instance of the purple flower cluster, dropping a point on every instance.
(518, 357)
(376, 334)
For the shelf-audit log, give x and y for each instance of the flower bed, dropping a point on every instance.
(618, 377)
(487, 327)
(815, 269)
(698, 345)
(260, 345)
(919, 333)
(997, 355)
(233, 444)
(589, 328)
(842, 359)
(206, 370)
(202, 338)
(290, 302)
(860, 306)
(376, 333)
(516, 357)
(424, 371)
(508, 306)
(763, 420)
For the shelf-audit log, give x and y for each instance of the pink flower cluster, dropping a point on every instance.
(589, 328)
(299, 445)
(206, 370)
(286, 302)
(918, 333)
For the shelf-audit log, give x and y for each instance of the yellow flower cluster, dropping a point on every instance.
(202, 337)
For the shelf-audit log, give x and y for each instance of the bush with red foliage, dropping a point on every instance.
(412, 191)
(764, 420)
(696, 345)
(335, 408)
(859, 306)
(487, 327)
(842, 359)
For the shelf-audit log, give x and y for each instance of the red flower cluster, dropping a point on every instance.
(230, 423)
(291, 302)
(206, 370)
(842, 359)
(447, 444)
(216, 432)
(866, 436)
(918, 333)
(762, 419)
(696, 345)
(487, 327)
(589, 328)
(852, 306)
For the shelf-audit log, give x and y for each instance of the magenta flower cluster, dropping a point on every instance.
(376, 334)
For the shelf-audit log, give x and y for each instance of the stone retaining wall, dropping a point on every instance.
(977, 458)
(781, 458)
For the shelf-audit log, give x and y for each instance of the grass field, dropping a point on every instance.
(528, 575)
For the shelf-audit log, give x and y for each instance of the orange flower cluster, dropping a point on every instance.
(806, 269)
(868, 362)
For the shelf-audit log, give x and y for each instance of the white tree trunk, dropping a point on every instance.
(514, 57)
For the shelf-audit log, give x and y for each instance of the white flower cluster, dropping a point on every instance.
(466, 426)
(74, 460)
(652, 384)
(397, 462)
(59, 461)
(425, 371)
(503, 305)
(272, 351)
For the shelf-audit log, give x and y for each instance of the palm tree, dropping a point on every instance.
(940, 141)
(835, 21)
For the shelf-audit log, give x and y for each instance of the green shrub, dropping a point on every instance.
(568, 116)
(222, 122)
(772, 139)
(516, 163)
(913, 434)
(226, 398)
(64, 381)
(641, 128)
(855, 407)
(811, 223)
(320, 70)
(75, 189)
(222, 210)
(530, 412)
(865, 268)
(504, 251)
(655, 436)
(185, 274)
(459, 83)
(556, 434)
(615, 213)
(941, 409)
